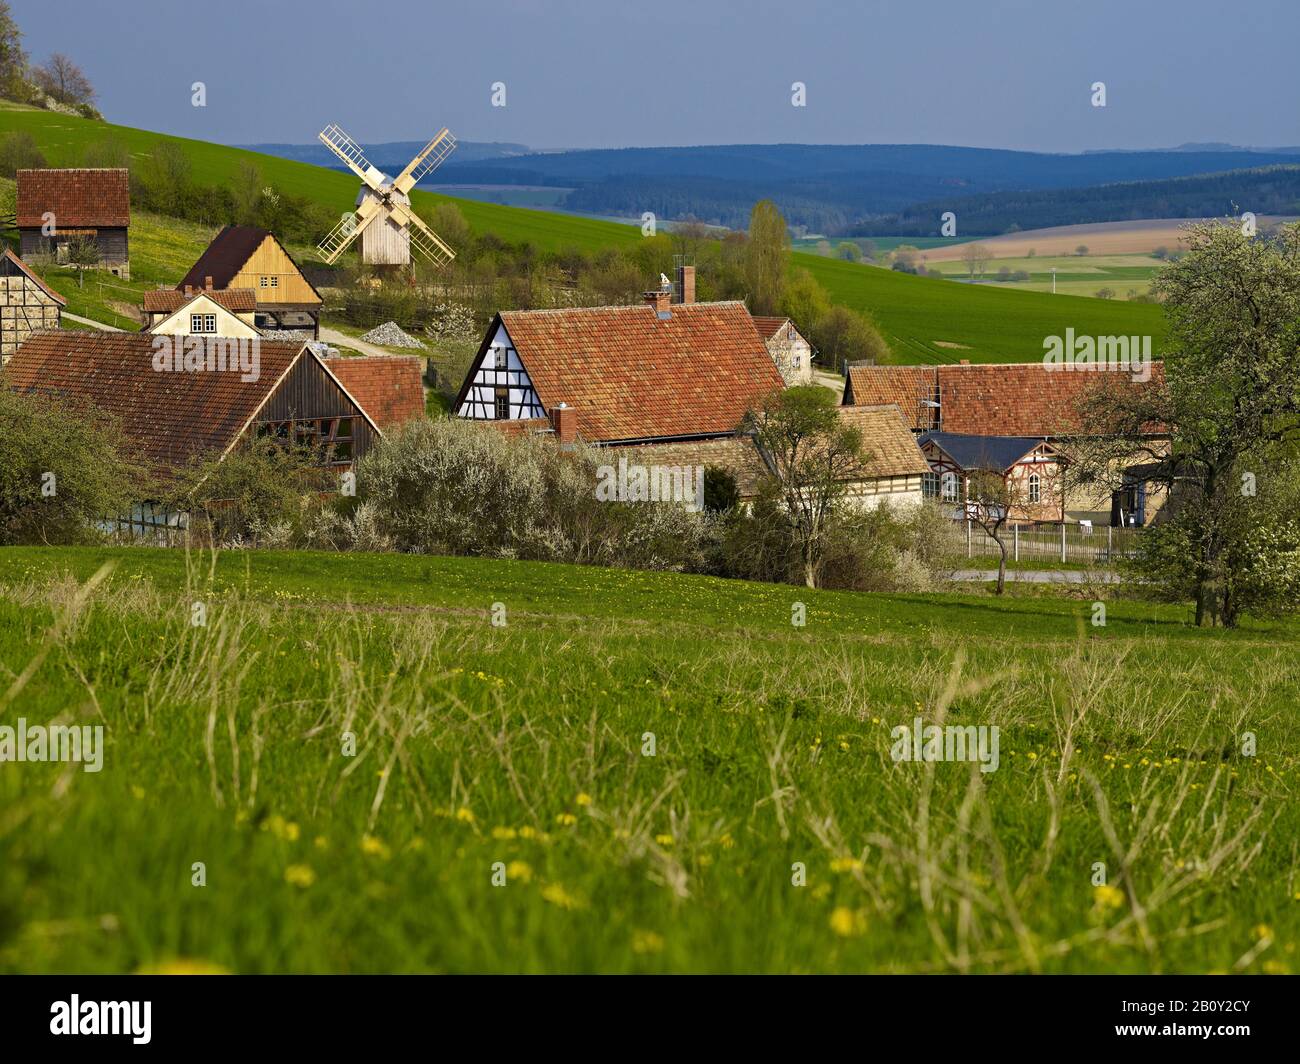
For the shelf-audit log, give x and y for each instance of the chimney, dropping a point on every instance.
(207, 283)
(964, 362)
(661, 299)
(564, 419)
(189, 290)
(685, 284)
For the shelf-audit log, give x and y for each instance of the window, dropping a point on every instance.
(275, 282)
(930, 485)
(264, 282)
(203, 323)
(502, 358)
(503, 404)
(949, 487)
(1035, 487)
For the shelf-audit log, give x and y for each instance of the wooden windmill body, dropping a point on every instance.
(383, 218)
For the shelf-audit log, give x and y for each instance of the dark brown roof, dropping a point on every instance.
(97, 199)
(994, 399)
(387, 387)
(171, 415)
(633, 376)
(31, 275)
(170, 300)
(225, 257)
(889, 449)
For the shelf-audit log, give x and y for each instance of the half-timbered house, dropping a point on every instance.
(244, 256)
(1030, 467)
(995, 409)
(27, 304)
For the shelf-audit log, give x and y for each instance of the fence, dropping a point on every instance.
(1060, 543)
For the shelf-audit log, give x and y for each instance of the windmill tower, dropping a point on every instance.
(383, 218)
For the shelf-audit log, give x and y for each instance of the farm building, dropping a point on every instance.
(201, 312)
(175, 415)
(655, 374)
(27, 304)
(790, 350)
(1031, 467)
(389, 387)
(55, 208)
(892, 468)
(243, 256)
(1017, 402)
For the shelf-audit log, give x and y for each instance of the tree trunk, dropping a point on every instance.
(1002, 566)
(809, 573)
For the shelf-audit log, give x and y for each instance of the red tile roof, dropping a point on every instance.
(998, 399)
(32, 276)
(170, 300)
(768, 324)
(387, 387)
(633, 376)
(94, 199)
(171, 416)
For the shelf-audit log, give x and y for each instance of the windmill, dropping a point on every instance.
(383, 215)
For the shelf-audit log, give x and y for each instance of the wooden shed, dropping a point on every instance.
(57, 207)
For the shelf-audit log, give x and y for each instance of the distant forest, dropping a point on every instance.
(1265, 190)
(882, 189)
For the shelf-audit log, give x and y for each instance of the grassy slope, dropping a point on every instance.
(913, 312)
(523, 744)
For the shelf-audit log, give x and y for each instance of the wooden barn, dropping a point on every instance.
(243, 256)
(175, 415)
(27, 304)
(57, 207)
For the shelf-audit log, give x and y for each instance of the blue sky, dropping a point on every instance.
(582, 73)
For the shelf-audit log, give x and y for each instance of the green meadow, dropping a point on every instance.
(400, 763)
(923, 319)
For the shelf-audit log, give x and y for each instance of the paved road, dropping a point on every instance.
(92, 323)
(1037, 576)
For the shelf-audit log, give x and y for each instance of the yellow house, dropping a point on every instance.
(229, 312)
(243, 256)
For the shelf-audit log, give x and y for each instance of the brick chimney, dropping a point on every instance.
(207, 283)
(685, 284)
(661, 299)
(189, 290)
(564, 419)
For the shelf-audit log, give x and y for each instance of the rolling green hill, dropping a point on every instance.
(917, 315)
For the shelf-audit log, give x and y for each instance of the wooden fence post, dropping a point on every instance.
(1015, 534)
(1110, 538)
(970, 552)
(1062, 542)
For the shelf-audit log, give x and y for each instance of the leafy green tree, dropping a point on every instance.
(19, 151)
(812, 453)
(1231, 404)
(842, 336)
(13, 59)
(766, 257)
(63, 469)
(848, 251)
(83, 255)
